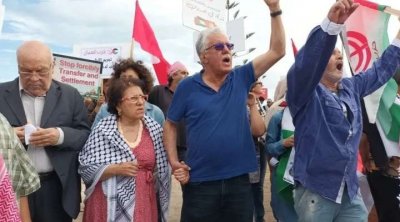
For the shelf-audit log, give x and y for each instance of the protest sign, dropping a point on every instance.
(108, 54)
(83, 74)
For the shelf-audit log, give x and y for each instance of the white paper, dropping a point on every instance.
(29, 129)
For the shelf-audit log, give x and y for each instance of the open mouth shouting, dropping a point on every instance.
(227, 60)
(339, 66)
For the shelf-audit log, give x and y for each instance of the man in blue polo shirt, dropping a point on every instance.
(327, 116)
(220, 150)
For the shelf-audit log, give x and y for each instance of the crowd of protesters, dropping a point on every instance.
(210, 131)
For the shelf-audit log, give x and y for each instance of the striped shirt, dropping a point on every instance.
(24, 178)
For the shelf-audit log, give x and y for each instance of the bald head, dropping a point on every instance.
(34, 50)
(35, 67)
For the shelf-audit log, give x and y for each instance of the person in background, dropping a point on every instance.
(326, 113)
(94, 107)
(90, 105)
(100, 101)
(161, 96)
(381, 169)
(128, 68)
(55, 114)
(278, 106)
(124, 164)
(257, 114)
(105, 85)
(19, 169)
(220, 149)
(279, 98)
(276, 146)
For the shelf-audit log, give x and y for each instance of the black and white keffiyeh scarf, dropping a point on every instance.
(105, 146)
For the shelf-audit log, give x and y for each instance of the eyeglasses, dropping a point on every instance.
(135, 99)
(220, 46)
(42, 73)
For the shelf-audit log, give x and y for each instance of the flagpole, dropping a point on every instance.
(133, 40)
(392, 11)
(132, 47)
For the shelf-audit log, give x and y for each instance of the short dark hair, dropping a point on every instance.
(144, 74)
(117, 89)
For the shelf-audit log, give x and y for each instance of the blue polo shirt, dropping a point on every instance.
(326, 138)
(219, 141)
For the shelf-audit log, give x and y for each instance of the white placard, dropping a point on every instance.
(108, 54)
(235, 32)
(83, 74)
(201, 14)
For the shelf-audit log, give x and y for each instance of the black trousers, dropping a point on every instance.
(45, 204)
(385, 192)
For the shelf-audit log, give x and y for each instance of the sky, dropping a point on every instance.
(63, 23)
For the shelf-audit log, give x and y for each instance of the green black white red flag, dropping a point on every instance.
(284, 178)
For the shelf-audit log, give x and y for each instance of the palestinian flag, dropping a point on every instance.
(365, 38)
(284, 185)
(388, 119)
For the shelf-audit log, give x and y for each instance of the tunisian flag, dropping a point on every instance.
(144, 35)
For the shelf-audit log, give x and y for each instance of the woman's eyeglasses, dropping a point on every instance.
(135, 99)
(220, 46)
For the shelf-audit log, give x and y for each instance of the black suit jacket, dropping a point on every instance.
(63, 108)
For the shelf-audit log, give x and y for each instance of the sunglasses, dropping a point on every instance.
(220, 46)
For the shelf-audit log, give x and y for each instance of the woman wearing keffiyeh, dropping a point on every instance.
(123, 163)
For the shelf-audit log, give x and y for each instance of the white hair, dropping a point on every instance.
(203, 38)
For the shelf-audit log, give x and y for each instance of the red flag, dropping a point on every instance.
(143, 34)
(294, 48)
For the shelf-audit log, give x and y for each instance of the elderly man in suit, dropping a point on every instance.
(57, 112)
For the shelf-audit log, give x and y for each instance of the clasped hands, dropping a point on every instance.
(181, 172)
